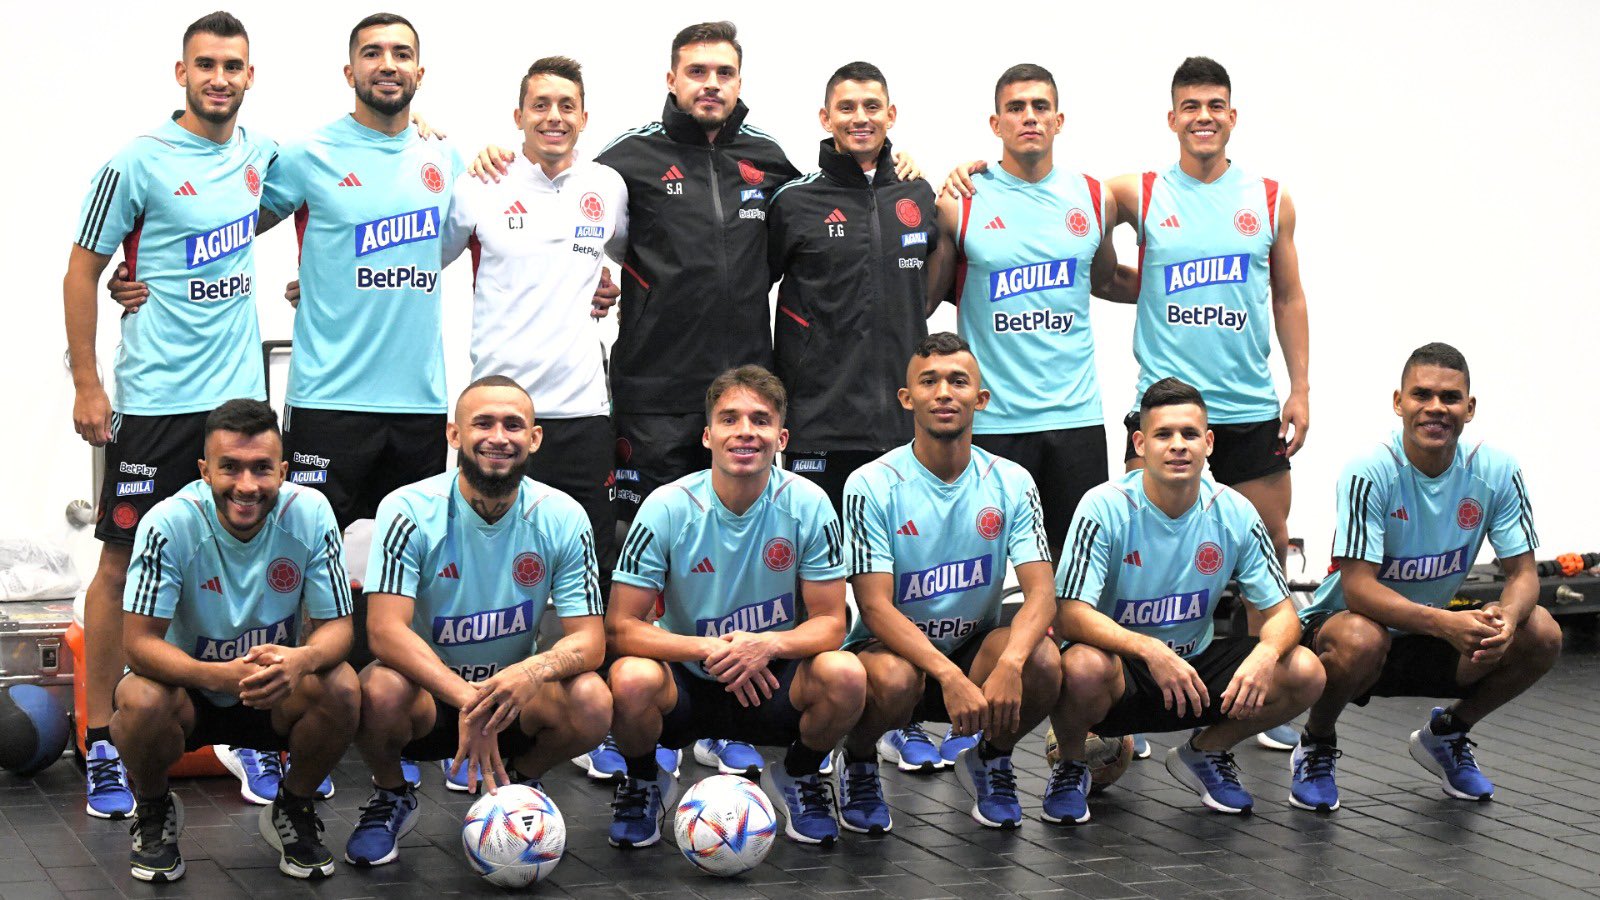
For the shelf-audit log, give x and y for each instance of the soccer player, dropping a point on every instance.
(466, 563)
(227, 570)
(1413, 513)
(733, 655)
(930, 527)
(182, 201)
(851, 243)
(1150, 554)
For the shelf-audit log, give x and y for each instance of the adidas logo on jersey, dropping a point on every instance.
(1132, 559)
(909, 529)
(835, 216)
(1400, 514)
(450, 571)
(704, 566)
(672, 174)
(187, 190)
(516, 209)
(994, 223)
(1170, 222)
(212, 584)
(350, 180)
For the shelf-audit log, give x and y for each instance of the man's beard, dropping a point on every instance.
(493, 487)
(385, 107)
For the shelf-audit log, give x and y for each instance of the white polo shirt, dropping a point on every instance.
(537, 248)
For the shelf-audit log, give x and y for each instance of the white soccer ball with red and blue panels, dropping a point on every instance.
(725, 825)
(514, 837)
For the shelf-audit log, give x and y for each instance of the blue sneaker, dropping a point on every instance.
(861, 805)
(951, 746)
(1449, 756)
(911, 749)
(324, 790)
(411, 772)
(259, 771)
(669, 760)
(1066, 794)
(457, 782)
(603, 763)
(807, 805)
(638, 810)
(108, 792)
(1284, 737)
(729, 757)
(385, 819)
(1141, 747)
(993, 787)
(1212, 775)
(1311, 784)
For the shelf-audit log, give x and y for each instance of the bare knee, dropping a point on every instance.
(635, 682)
(139, 697)
(112, 570)
(1538, 641)
(1353, 644)
(341, 692)
(840, 678)
(1041, 673)
(383, 694)
(1088, 671)
(1303, 676)
(589, 705)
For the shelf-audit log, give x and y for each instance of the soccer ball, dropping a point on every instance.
(1108, 758)
(725, 825)
(514, 836)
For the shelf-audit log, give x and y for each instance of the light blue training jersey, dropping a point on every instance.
(1161, 576)
(224, 596)
(368, 210)
(1025, 250)
(1205, 289)
(184, 210)
(480, 589)
(718, 572)
(1425, 533)
(946, 545)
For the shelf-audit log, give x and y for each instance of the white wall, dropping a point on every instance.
(1441, 156)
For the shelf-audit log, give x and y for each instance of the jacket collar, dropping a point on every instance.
(683, 129)
(843, 168)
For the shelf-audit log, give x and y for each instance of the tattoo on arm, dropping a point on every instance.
(555, 665)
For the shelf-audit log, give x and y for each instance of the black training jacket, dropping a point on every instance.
(694, 289)
(853, 258)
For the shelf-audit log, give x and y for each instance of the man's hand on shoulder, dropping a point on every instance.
(492, 162)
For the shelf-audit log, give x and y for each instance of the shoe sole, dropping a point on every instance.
(151, 875)
(964, 776)
(451, 785)
(1426, 760)
(1046, 817)
(712, 761)
(113, 816)
(1308, 807)
(1264, 741)
(583, 762)
(230, 762)
(1188, 779)
(394, 852)
(888, 753)
(287, 867)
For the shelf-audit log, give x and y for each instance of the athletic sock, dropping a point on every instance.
(850, 757)
(1308, 738)
(1447, 723)
(802, 760)
(643, 768)
(988, 751)
(95, 735)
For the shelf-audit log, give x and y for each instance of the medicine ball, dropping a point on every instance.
(33, 729)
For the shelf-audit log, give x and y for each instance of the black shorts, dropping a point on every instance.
(575, 458)
(237, 725)
(445, 738)
(706, 709)
(930, 707)
(1142, 708)
(357, 458)
(1240, 453)
(1418, 665)
(653, 450)
(828, 469)
(149, 459)
(1065, 464)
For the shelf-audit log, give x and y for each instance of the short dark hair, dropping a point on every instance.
(756, 379)
(1201, 70)
(384, 18)
(1169, 392)
(243, 416)
(219, 23)
(941, 343)
(854, 71)
(559, 66)
(708, 33)
(1025, 72)
(491, 381)
(1437, 354)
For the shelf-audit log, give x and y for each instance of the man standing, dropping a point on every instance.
(182, 202)
(466, 563)
(1413, 513)
(227, 569)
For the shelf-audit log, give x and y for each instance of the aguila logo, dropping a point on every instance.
(593, 209)
(432, 178)
(749, 172)
(124, 516)
(990, 521)
(778, 554)
(1208, 559)
(1077, 222)
(1469, 514)
(527, 569)
(283, 575)
(907, 211)
(252, 181)
(1247, 222)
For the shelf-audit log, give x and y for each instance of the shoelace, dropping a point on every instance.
(1068, 773)
(1226, 768)
(862, 784)
(151, 830)
(816, 795)
(105, 774)
(268, 764)
(1461, 751)
(298, 823)
(1002, 782)
(631, 802)
(609, 744)
(1318, 761)
(915, 735)
(378, 810)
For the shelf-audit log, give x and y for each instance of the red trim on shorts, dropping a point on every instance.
(791, 314)
(642, 283)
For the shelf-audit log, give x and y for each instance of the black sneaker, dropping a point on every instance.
(156, 826)
(294, 830)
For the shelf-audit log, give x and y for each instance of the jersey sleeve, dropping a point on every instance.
(643, 559)
(461, 221)
(1086, 555)
(283, 192)
(867, 528)
(396, 555)
(155, 574)
(821, 539)
(113, 206)
(1359, 506)
(575, 585)
(326, 591)
(777, 239)
(1026, 540)
(1256, 563)
(617, 246)
(1511, 521)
